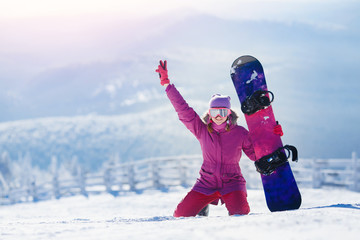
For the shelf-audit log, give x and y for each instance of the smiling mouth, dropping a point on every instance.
(218, 120)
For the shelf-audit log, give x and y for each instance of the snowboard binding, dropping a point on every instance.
(257, 101)
(268, 164)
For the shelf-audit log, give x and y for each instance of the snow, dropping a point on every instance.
(325, 214)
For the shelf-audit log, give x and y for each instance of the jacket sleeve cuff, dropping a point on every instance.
(169, 87)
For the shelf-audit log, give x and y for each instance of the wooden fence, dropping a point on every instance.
(164, 173)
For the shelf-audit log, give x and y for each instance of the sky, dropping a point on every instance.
(141, 8)
(51, 30)
(39, 34)
(69, 58)
(128, 9)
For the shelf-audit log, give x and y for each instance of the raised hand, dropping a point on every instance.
(163, 73)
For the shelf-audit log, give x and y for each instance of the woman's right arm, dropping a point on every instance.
(186, 114)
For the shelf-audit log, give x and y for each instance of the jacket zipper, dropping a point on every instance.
(221, 160)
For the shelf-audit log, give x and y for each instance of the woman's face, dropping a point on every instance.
(219, 115)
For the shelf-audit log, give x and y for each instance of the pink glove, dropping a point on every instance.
(163, 73)
(278, 130)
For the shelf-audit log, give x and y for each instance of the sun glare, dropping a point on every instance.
(60, 8)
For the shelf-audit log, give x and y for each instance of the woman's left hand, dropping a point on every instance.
(278, 130)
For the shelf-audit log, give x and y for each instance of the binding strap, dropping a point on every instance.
(257, 101)
(268, 164)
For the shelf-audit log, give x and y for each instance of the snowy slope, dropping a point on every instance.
(325, 214)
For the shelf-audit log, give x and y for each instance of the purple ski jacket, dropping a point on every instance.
(221, 150)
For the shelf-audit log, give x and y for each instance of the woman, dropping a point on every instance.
(222, 142)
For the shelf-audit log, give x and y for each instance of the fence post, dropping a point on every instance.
(55, 180)
(131, 177)
(82, 180)
(108, 179)
(56, 187)
(356, 172)
(317, 178)
(32, 190)
(155, 175)
(4, 187)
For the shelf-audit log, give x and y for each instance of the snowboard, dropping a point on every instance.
(280, 188)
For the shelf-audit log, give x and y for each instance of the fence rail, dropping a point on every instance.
(166, 172)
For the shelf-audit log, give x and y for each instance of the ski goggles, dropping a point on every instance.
(222, 112)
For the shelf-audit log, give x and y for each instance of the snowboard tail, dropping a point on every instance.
(280, 188)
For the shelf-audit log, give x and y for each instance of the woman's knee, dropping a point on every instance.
(236, 203)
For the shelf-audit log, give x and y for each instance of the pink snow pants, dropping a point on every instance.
(235, 202)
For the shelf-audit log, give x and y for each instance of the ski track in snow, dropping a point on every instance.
(325, 214)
